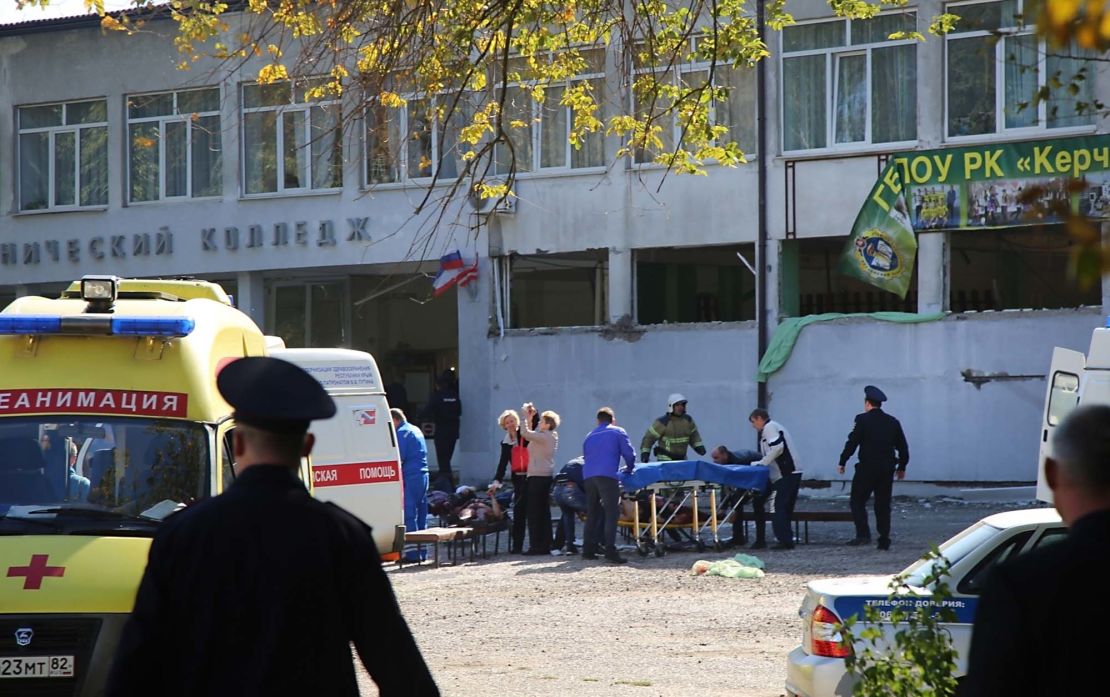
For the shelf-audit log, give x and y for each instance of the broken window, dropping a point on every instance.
(557, 290)
(695, 284)
(1014, 268)
(812, 285)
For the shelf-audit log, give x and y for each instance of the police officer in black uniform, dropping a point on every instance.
(878, 436)
(262, 589)
(445, 409)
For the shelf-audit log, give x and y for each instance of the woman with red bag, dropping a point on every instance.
(514, 455)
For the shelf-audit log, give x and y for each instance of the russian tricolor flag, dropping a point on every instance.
(453, 271)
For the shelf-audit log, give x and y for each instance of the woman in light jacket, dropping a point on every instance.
(541, 468)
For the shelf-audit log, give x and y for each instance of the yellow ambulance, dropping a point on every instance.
(109, 421)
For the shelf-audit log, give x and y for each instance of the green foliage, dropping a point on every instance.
(906, 650)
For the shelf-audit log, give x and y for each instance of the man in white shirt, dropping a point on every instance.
(775, 445)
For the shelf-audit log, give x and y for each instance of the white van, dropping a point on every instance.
(1073, 379)
(355, 462)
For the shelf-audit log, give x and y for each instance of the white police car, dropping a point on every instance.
(816, 668)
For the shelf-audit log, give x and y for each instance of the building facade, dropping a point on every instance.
(611, 281)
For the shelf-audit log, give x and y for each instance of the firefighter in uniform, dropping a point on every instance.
(262, 589)
(671, 434)
(883, 455)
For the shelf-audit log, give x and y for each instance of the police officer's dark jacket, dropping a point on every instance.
(877, 435)
(259, 591)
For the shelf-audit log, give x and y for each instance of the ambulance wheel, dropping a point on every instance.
(660, 551)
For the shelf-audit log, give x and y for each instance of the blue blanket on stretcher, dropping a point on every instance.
(739, 476)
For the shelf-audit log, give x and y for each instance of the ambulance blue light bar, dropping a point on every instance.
(153, 326)
(169, 327)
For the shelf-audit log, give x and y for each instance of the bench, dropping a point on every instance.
(434, 536)
(802, 519)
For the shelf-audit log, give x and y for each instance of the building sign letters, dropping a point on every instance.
(299, 234)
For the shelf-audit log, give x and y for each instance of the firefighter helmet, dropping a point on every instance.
(674, 399)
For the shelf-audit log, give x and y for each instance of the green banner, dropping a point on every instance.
(979, 187)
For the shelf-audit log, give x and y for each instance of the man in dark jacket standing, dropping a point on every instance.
(1037, 632)
(883, 455)
(262, 589)
(445, 410)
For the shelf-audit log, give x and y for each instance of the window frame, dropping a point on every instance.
(52, 133)
(162, 121)
(832, 55)
(539, 120)
(306, 285)
(280, 111)
(677, 71)
(1005, 34)
(504, 292)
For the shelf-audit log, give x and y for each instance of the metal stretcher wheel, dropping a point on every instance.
(659, 550)
(700, 546)
(642, 550)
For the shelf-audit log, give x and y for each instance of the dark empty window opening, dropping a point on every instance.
(1014, 268)
(558, 290)
(812, 285)
(695, 284)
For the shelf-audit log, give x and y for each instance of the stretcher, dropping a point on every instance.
(680, 483)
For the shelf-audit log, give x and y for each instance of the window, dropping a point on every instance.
(1063, 397)
(310, 315)
(845, 83)
(290, 143)
(694, 284)
(174, 141)
(431, 135)
(556, 290)
(996, 67)
(539, 136)
(1050, 537)
(63, 155)
(738, 112)
(972, 583)
(1014, 268)
(812, 284)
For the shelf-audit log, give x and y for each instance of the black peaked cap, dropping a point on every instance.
(273, 394)
(874, 394)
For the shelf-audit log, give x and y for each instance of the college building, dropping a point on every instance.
(607, 280)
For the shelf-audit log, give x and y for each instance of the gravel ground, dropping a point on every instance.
(514, 625)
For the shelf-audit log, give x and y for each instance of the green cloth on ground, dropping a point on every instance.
(739, 566)
(786, 334)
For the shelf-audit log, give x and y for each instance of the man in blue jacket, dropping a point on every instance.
(603, 450)
(414, 473)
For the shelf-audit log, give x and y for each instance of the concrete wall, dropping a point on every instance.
(576, 371)
(956, 430)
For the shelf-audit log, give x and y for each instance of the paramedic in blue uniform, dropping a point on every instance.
(262, 589)
(414, 472)
(883, 455)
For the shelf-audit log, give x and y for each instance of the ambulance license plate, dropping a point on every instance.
(36, 667)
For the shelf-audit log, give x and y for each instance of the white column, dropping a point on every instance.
(620, 284)
(252, 296)
(932, 271)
